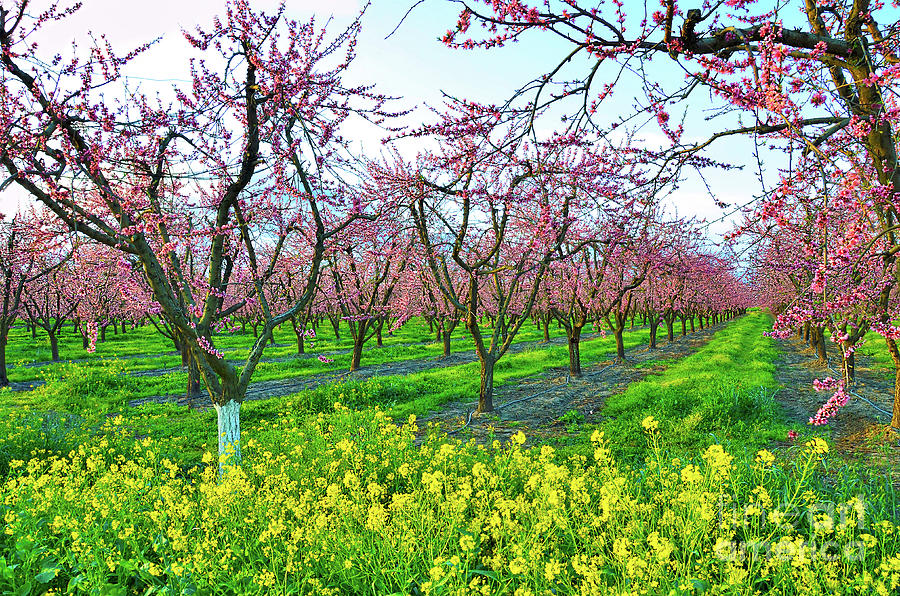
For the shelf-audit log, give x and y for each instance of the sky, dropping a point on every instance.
(411, 63)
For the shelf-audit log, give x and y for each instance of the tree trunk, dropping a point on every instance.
(546, 331)
(700, 319)
(54, 347)
(336, 325)
(895, 356)
(574, 339)
(849, 369)
(692, 325)
(300, 332)
(378, 340)
(654, 325)
(229, 418)
(670, 328)
(620, 340)
(486, 390)
(193, 381)
(683, 327)
(819, 338)
(102, 333)
(34, 332)
(4, 377)
(446, 335)
(620, 344)
(358, 339)
(123, 327)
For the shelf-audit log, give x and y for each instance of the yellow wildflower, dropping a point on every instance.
(765, 458)
(817, 446)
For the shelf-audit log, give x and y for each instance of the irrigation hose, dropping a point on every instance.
(855, 394)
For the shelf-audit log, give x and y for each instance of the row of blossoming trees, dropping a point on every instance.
(238, 199)
(601, 269)
(813, 82)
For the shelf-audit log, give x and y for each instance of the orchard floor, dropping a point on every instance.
(860, 429)
(158, 372)
(290, 386)
(545, 406)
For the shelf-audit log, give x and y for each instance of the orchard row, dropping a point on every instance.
(371, 290)
(241, 195)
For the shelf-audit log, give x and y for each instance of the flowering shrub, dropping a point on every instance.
(347, 504)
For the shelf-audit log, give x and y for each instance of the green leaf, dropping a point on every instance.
(486, 573)
(700, 585)
(6, 570)
(74, 583)
(46, 575)
(113, 590)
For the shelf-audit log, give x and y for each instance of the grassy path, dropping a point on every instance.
(549, 405)
(723, 393)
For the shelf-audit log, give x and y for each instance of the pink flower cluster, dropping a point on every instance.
(324, 359)
(92, 332)
(830, 408)
(208, 347)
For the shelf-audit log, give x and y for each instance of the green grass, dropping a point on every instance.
(723, 393)
(145, 349)
(97, 389)
(147, 341)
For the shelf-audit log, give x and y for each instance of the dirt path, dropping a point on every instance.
(278, 388)
(536, 405)
(859, 427)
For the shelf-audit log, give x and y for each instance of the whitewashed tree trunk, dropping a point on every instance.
(229, 433)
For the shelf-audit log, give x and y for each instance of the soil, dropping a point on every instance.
(861, 428)
(540, 405)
